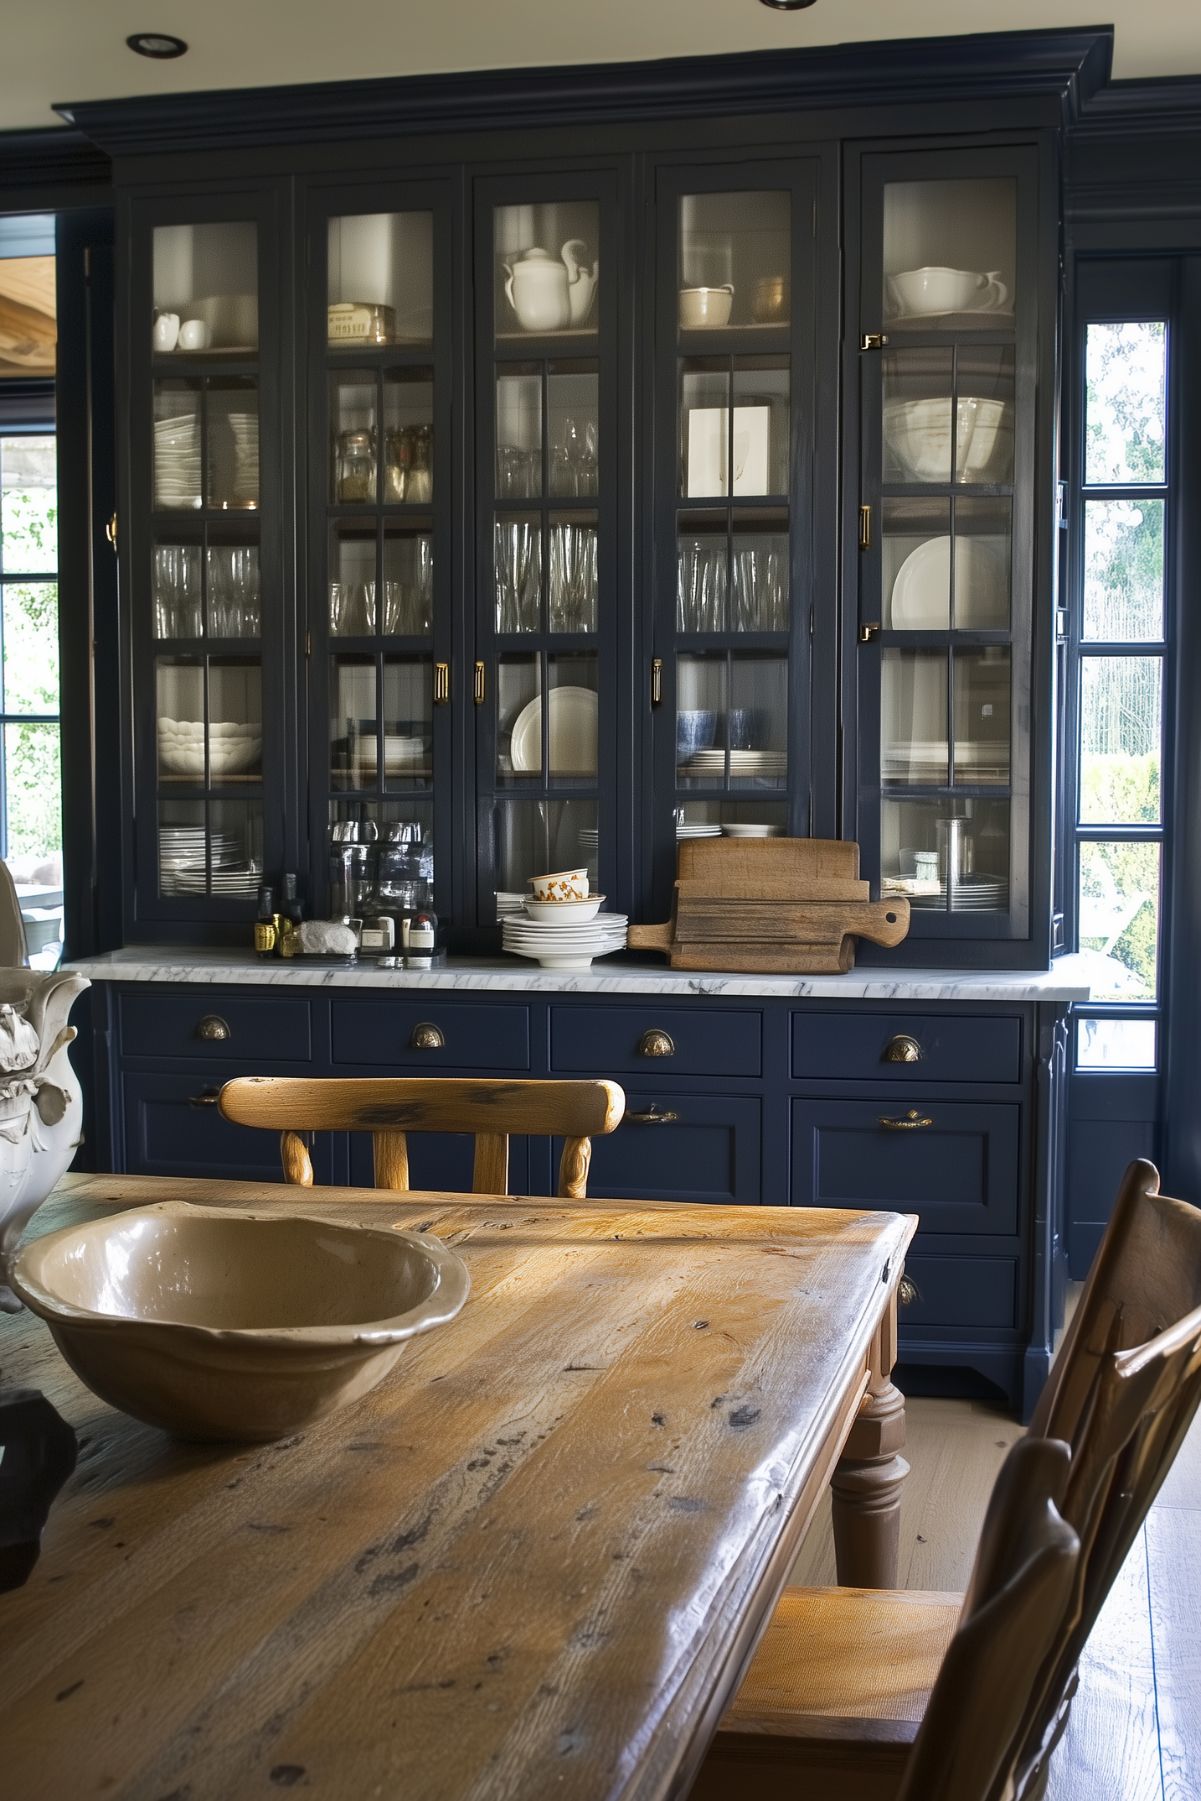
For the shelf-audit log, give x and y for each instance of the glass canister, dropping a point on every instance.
(354, 466)
(351, 879)
(402, 883)
(398, 455)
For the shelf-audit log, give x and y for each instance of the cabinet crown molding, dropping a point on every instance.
(1066, 66)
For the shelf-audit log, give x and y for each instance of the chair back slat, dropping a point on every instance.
(392, 1107)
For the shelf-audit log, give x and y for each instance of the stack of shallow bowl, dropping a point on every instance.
(566, 928)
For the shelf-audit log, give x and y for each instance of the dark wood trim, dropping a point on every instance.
(52, 169)
(1065, 66)
(1167, 103)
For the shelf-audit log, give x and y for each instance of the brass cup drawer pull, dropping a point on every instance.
(652, 1117)
(908, 1291)
(213, 1029)
(912, 1122)
(902, 1049)
(206, 1099)
(427, 1037)
(656, 1043)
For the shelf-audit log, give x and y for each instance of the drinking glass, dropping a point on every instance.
(517, 558)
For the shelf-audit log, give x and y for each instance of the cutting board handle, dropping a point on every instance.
(651, 938)
(881, 922)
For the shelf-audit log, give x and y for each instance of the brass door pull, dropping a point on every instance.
(865, 527)
(656, 681)
(912, 1122)
(902, 1049)
(908, 1291)
(656, 1043)
(652, 1117)
(479, 684)
(441, 684)
(427, 1037)
(207, 1099)
(213, 1029)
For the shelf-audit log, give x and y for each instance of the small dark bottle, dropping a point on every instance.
(266, 923)
(292, 912)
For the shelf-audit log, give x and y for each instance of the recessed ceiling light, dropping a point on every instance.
(157, 44)
(786, 6)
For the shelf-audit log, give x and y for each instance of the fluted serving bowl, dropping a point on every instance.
(224, 1325)
(918, 432)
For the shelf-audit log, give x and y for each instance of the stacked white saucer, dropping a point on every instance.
(564, 934)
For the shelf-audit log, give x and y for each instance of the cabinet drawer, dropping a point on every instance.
(616, 1041)
(962, 1291)
(168, 1134)
(959, 1173)
(248, 1028)
(850, 1047)
(707, 1148)
(473, 1036)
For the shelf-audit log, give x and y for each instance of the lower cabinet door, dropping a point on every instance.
(679, 1147)
(173, 1128)
(953, 1163)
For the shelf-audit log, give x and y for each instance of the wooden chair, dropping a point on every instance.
(391, 1107)
(836, 1697)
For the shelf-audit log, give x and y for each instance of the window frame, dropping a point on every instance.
(27, 410)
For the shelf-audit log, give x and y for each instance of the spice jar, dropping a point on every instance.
(398, 454)
(420, 486)
(354, 468)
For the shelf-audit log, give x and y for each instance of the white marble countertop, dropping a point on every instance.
(1068, 980)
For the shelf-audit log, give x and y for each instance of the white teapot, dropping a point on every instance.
(550, 293)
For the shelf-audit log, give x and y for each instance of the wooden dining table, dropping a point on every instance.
(533, 1562)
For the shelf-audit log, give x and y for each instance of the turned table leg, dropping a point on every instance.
(867, 1479)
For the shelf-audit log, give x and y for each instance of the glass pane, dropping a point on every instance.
(760, 591)
(758, 460)
(948, 410)
(913, 717)
(700, 707)
(982, 711)
(573, 585)
(178, 586)
(1120, 699)
(946, 856)
(982, 550)
(409, 581)
(1123, 570)
(572, 724)
(233, 444)
(353, 723)
(1125, 402)
(352, 588)
(1118, 918)
(546, 268)
(206, 288)
(518, 718)
(177, 468)
(702, 554)
(408, 472)
(209, 722)
(517, 558)
(354, 446)
(33, 787)
(408, 726)
(919, 552)
(210, 849)
(704, 426)
(235, 607)
(381, 278)
(1115, 1043)
(573, 415)
(30, 647)
(747, 818)
(538, 837)
(950, 253)
(754, 731)
(519, 431)
(734, 260)
(28, 505)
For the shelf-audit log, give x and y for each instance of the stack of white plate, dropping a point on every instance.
(970, 894)
(925, 760)
(182, 866)
(403, 755)
(697, 828)
(177, 461)
(565, 945)
(769, 764)
(234, 458)
(507, 904)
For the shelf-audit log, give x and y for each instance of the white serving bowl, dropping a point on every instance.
(933, 290)
(701, 308)
(565, 912)
(217, 1324)
(918, 433)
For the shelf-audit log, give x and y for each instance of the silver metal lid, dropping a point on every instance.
(404, 831)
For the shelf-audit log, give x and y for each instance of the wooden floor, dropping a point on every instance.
(1135, 1731)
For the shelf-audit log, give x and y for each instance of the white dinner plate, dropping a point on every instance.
(572, 733)
(921, 591)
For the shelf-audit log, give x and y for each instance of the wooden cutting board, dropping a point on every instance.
(785, 905)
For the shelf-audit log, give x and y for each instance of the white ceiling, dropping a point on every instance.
(75, 49)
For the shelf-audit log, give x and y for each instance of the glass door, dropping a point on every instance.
(548, 288)
(728, 683)
(946, 537)
(382, 635)
(204, 555)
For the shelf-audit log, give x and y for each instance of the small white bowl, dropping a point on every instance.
(705, 307)
(565, 912)
(561, 884)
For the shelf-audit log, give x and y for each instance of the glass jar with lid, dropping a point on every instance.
(403, 879)
(354, 465)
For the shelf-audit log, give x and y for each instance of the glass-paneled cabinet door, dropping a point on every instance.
(549, 289)
(947, 331)
(380, 542)
(728, 687)
(203, 546)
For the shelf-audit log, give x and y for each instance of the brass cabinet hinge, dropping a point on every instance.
(110, 532)
(656, 681)
(873, 340)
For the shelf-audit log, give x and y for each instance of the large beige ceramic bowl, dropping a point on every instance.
(222, 1325)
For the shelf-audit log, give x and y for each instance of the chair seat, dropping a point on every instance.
(835, 1695)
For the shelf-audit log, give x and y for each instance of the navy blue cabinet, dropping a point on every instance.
(171, 1127)
(681, 1147)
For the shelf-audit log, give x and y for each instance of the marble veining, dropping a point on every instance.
(1068, 980)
